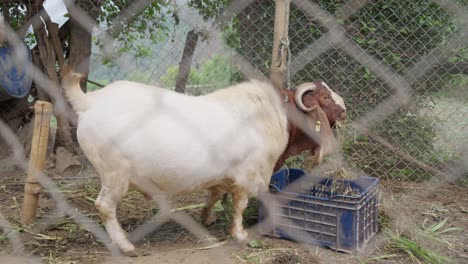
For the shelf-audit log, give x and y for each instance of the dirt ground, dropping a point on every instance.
(404, 207)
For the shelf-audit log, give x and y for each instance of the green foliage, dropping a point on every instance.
(458, 84)
(213, 73)
(436, 231)
(17, 13)
(224, 211)
(410, 132)
(169, 79)
(397, 32)
(259, 244)
(231, 34)
(414, 250)
(139, 76)
(208, 8)
(378, 161)
(463, 181)
(150, 23)
(135, 76)
(254, 27)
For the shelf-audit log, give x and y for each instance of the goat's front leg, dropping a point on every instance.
(240, 200)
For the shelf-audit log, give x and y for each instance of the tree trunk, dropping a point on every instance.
(80, 50)
(47, 63)
(49, 57)
(80, 41)
(186, 61)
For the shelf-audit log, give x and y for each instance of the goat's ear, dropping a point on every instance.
(310, 101)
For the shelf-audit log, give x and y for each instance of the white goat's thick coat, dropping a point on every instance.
(177, 143)
(162, 142)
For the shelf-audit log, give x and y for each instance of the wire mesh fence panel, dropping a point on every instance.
(400, 35)
(400, 67)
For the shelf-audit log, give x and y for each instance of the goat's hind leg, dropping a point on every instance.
(114, 171)
(207, 216)
(106, 203)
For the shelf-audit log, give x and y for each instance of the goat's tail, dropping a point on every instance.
(72, 89)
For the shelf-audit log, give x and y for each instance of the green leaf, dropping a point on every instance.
(256, 244)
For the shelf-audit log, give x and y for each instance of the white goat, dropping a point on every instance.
(162, 142)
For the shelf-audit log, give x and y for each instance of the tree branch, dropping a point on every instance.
(460, 67)
(407, 156)
(54, 36)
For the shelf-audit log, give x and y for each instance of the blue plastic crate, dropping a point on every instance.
(313, 212)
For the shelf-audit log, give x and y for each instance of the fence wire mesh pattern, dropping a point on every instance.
(400, 67)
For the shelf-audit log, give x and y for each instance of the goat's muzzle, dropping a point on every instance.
(342, 115)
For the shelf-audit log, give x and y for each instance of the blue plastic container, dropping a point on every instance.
(15, 80)
(313, 211)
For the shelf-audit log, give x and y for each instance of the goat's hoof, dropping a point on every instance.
(208, 221)
(208, 217)
(130, 252)
(240, 236)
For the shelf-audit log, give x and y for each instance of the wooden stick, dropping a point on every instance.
(407, 156)
(32, 188)
(280, 43)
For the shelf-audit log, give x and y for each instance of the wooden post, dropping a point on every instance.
(186, 61)
(32, 188)
(280, 43)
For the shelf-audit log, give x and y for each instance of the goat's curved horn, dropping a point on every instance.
(300, 91)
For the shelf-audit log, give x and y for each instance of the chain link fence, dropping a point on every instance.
(425, 133)
(399, 65)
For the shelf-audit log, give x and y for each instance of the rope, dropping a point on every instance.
(95, 83)
(285, 45)
(286, 28)
(288, 76)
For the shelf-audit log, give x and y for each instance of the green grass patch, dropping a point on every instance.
(414, 250)
(435, 232)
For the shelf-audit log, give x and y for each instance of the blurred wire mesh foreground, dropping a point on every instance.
(400, 65)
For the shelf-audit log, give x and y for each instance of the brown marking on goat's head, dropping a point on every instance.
(319, 93)
(304, 113)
